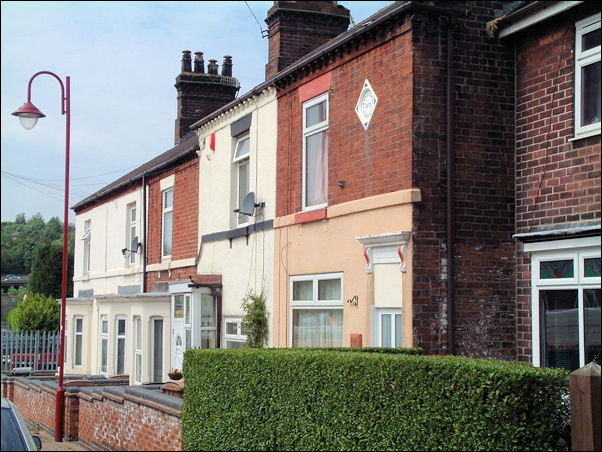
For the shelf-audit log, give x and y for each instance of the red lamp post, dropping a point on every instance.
(28, 115)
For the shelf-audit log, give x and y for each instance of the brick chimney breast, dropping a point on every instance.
(297, 28)
(200, 93)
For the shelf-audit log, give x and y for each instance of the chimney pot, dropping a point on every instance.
(199, 64)
(186, 62)
(212, 67)
(227, 66)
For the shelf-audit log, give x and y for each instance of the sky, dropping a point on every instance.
(122, 59)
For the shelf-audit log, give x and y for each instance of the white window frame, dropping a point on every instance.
(583, 59)
(104, 337)
(138, 349)
(119, 337)
(240, 162)
(166, 210)
(576, 249)
(314, 304)
(131, 231)
(307, 132)
(239, 336)
(78, 335)
(377, 314)
(87, 239)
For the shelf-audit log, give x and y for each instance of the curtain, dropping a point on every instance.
(316, 167)
(317, 327)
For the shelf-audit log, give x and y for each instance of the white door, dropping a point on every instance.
(178, 331)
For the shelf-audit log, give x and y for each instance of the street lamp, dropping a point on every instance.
(28, 115)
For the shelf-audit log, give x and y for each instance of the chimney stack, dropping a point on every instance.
(200, 93)
(297, 28)
(199, 64)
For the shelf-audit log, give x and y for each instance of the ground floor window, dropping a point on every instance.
(104, 343)
(138, 349)
(565, 303)
(78, 340)
(120, 338)
(235, 336)
(208, 322)
(386, 327)
(317, 310)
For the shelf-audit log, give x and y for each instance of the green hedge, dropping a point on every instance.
(299, 399)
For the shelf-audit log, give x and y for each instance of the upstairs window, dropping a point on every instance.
(86, 238)
(315, 153)
(131, 231)
(241, 162)
(587, 77)
(167, 223)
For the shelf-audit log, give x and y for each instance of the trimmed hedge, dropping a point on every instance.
(300, 399)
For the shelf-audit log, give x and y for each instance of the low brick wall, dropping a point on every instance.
(107, 417)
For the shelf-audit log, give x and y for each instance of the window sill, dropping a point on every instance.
(313, 215)
(581, 136)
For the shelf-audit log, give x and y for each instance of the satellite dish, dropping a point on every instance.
(135, 244)
(248, 204)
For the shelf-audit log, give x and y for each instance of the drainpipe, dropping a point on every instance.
(143, 255)
(451, 271)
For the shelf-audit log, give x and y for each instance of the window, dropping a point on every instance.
(104, 343)
(78, 339)
(120, 333)
(208, 322)
(241, 161)
(86, 237)
(131, 231)
(565, 304)
(235, 336)
(317, 310)
(387, 327)
(65, 347)
(167, 222)
(587, 77)
(137, 349)
(315, 152)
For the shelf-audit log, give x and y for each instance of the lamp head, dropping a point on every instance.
(28, 114)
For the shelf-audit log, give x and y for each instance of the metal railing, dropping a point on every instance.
(38, 350)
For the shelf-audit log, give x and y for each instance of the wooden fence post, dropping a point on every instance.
(584, 385)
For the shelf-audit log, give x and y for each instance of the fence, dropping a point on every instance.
(36, 349)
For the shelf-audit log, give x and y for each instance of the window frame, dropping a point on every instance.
(578, 250)
(104, 337)
(315, 304)
(583, 59)
(307, 132)
(239, 337)
(78, 334)
(87, 239)
(164, 211)
(131, 228)
(137, 320)
(119, 337)
(240, 162)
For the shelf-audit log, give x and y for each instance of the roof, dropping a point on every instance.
(158, 164)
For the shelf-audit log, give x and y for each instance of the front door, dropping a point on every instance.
(180, 322)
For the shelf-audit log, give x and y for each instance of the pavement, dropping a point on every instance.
(48, 442)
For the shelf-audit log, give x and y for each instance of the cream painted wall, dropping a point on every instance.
(108, 267)
(243, 266)
(331, 246)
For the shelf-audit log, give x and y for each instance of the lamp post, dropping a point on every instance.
(28, 115)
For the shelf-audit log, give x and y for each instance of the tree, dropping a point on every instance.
(36, 312)
(255, 321)
(47, 274)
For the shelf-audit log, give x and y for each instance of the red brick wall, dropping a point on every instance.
(185, 220)
(483, 186)
(371, 162)
(110, 424)
(557, 180)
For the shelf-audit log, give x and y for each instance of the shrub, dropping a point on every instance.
(255, 321)
(35, 312)
(296, 399)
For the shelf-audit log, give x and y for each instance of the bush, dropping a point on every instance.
(255, 321)
(36, 312)
(299, 399)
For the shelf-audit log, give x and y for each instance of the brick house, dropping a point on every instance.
(374, 245)
(557, 47)
(137, 250)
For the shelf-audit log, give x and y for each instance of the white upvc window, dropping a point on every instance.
(78, 340)
(104, 344)
(131, 232)
(65, 345)
(241, 162)
(167, 226)
(315, 153)
(317, 310)
(138, 349)
(234, 336)
(86, 238)
(565, 277)
(120, 344)
(587, 77)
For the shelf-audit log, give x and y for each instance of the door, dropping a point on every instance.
(178, 333)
